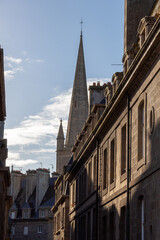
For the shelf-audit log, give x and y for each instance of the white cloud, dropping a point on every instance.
(21, 163)
(13, 155)
(12, 60)
(14, 65)
(10, 74)
(36, 134)
(35, 128)
(28, 60)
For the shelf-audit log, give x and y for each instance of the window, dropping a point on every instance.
(152, 120)
(94, 226)
(122, 223)
(25, 214)
(95, 172)
(63, 218)
(42, 213)
(72, 231)
(105, 169)
(13, 230)
(85, 181)
(141, 131)
(58, 221)
(112, 225)
(13, 215)
(76, 229)
(142, 217)
(112, 162)
(73, 195)
(77, 189)
(25, 230)
(89, 226)
(123, 150)
(55, 224)
(84, 227)
(83, 185)
(89, 177)
(104, 227)
(80, 188)
(39, 230)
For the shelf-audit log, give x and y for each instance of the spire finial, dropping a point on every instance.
(61, 120)
(81, 25)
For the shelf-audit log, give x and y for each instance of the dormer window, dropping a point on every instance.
(144, 28)
(13, 215)
(26, 214)
(42, 213)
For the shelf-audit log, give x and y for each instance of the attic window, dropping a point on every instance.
(25, 214)
(13, 215)
(42, 213)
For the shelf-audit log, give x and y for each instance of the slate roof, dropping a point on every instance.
(49, 197)
(20, 202)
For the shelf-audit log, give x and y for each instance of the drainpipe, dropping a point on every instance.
(97, 187)
(128, 172)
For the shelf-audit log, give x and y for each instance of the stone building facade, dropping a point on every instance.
(5, 198)
(115, 176)
(61, 207)
(33, 196)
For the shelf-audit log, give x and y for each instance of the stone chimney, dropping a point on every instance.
(16, 178)
(96, 94)
(55, 174)
(31, 180)
(42, 184)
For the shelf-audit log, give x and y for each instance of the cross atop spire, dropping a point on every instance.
(81, 22)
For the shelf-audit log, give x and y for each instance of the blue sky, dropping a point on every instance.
(40, 41)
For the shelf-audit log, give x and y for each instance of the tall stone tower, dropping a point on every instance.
(134, 11)
(5, 199)
(78, 112)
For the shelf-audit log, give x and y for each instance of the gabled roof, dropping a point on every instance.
(49, 197)
(26, 205)
(14, 206)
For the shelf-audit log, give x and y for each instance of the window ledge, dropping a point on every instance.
(112, 186)
(140, 163)
(105, 191)
(123, 177)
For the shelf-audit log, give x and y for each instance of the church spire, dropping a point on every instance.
(60, 137)
(79, 101)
